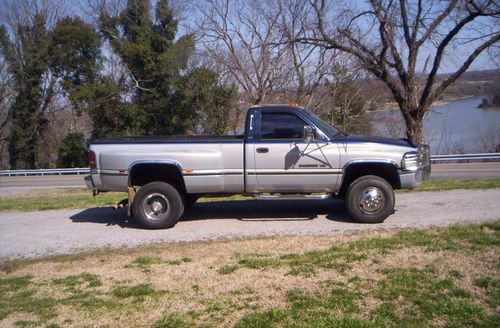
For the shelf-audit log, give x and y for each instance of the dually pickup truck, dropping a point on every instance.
(287, 152)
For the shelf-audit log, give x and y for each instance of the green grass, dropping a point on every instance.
(450, 184)
(82, 198)
(137, 292)
(71, 282)
(144, 262)
(58, 199)
(174, 321)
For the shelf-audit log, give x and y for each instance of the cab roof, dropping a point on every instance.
(291, 105)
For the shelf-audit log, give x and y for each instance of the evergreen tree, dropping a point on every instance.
(72, 151)
(74, 55)
(26, 56)
(157, 61)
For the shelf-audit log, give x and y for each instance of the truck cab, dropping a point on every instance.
(287, 152)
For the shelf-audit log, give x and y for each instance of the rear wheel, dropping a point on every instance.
(370, 199)
(158, 205)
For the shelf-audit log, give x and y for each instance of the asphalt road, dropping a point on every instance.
(466, 170)
(36, 234)
(10, 185)
(42, 181)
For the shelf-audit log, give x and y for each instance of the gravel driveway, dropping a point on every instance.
(36, 234)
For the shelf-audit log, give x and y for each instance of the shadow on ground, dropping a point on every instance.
(248, 210)
(105, 215)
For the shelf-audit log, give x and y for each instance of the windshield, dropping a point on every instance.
(330, 131)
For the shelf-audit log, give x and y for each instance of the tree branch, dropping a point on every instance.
(446, 83)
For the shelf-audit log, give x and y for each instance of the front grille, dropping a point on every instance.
(411, 161)
(425, 153)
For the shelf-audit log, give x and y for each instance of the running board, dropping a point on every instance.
(292, 197)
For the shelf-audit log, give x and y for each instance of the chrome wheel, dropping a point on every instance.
(371, 200)
(156, 206)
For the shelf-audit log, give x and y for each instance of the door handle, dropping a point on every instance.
(262, 150)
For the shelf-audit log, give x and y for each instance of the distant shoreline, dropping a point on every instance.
(390, 106)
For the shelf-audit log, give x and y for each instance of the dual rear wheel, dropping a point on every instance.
(160, 205)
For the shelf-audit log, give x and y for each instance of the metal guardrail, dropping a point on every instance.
(465, 157)
(45, 172)
(434, 159)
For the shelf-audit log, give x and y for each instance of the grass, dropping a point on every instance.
(137, 292)
(55, 199)
(144, 262)
(409, 278)
(450, 184)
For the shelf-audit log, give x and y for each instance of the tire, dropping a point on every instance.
(370, 199)
(158, 205)
(189, 200)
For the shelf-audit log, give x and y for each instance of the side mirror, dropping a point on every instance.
(308, 133)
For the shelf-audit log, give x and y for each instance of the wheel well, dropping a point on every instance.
(386, 171)
(141, 174)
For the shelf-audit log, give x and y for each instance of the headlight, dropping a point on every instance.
(411, 161)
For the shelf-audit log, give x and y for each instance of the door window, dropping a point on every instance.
(281, 126)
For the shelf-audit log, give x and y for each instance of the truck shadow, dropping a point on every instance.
(248, 210)
(269, 210)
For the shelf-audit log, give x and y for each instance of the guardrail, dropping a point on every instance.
(465, 157)
(45, 172)
(434, 159)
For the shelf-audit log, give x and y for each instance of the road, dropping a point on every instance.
(36, 234)
(11, 185)
(466, 170)
(439, 171)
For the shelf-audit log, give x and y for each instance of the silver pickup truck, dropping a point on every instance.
(287, 152)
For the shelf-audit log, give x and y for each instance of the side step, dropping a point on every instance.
(292, 197)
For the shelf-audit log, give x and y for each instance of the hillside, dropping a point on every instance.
(473, 83)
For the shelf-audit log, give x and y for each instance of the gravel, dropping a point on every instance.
(36, 234)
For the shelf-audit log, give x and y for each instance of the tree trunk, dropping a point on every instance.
(415, 130)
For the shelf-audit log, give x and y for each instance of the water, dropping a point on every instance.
(456, 127)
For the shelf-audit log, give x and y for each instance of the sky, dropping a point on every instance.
(451, 62)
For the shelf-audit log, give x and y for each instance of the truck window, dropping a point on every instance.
(281, 126)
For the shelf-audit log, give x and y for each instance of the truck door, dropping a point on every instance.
(285, 163)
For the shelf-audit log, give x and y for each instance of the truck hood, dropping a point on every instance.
(375, 139)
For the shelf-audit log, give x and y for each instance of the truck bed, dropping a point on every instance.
(207, 163)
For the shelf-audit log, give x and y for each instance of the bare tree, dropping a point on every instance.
(404, 44)
(6, 97)
(308, 65)
(12, 12)
(243, 37)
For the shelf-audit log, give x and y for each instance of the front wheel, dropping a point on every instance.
(370, 199)
(158, 205)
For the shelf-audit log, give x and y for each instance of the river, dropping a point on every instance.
(456, 127)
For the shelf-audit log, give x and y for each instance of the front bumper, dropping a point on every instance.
(410, 179)
(88, 182)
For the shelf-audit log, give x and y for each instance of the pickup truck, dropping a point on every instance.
(287, 152)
